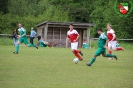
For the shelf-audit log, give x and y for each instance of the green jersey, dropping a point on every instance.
(42, 43)
(22, 31)
(102, 40)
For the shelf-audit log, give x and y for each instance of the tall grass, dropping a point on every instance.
(125, 45)
(9, 41)
(6, 41)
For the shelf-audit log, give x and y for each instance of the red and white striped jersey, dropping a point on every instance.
(72, 35)
(110, 34)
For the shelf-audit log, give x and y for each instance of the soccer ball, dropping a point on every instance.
(75, 60)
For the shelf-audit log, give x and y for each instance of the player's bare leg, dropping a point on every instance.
(109, 50)
(37, 45)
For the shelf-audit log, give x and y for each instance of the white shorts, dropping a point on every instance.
(74, 45)
(112, 44)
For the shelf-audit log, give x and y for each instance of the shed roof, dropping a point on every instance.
(65, 24)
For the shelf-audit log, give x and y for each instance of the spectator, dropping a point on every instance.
(32, 35)
(85, 45)
(15, 33)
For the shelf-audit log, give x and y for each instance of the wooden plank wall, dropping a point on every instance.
(58, 36)
(80, 31)
(39, 32)
(50, 35)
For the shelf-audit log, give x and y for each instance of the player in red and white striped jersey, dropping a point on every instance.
(73, 36)
(112, 40)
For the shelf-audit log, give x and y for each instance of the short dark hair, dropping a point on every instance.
(99, 29)
(39, 37)
(71, 24)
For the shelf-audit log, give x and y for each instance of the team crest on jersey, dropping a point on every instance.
(123, 9)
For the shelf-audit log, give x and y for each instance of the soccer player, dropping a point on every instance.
(102, 45)
(42, 43)
(22, 37)
(112, 40)
(73, 36)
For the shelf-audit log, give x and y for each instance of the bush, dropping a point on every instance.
(122, 44)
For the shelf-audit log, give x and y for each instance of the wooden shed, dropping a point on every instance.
(56, 32)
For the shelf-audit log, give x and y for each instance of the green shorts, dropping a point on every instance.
(45, 45)
(100, 51)
(21, 40)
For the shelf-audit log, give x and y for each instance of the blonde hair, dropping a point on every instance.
(109, 25)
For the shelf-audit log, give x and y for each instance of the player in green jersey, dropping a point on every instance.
(42, 43)
(22, 37)
(102, 45)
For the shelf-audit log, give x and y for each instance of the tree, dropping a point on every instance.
(3, 6)
(79, 11)
(27, 7)
(32, 12)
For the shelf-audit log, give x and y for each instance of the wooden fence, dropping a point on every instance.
(91, 39)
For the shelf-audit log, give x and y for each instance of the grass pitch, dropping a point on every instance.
(54, 68)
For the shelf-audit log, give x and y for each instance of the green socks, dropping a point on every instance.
(17, 47)
(110, 55)
(92, 60)
(107, 55)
